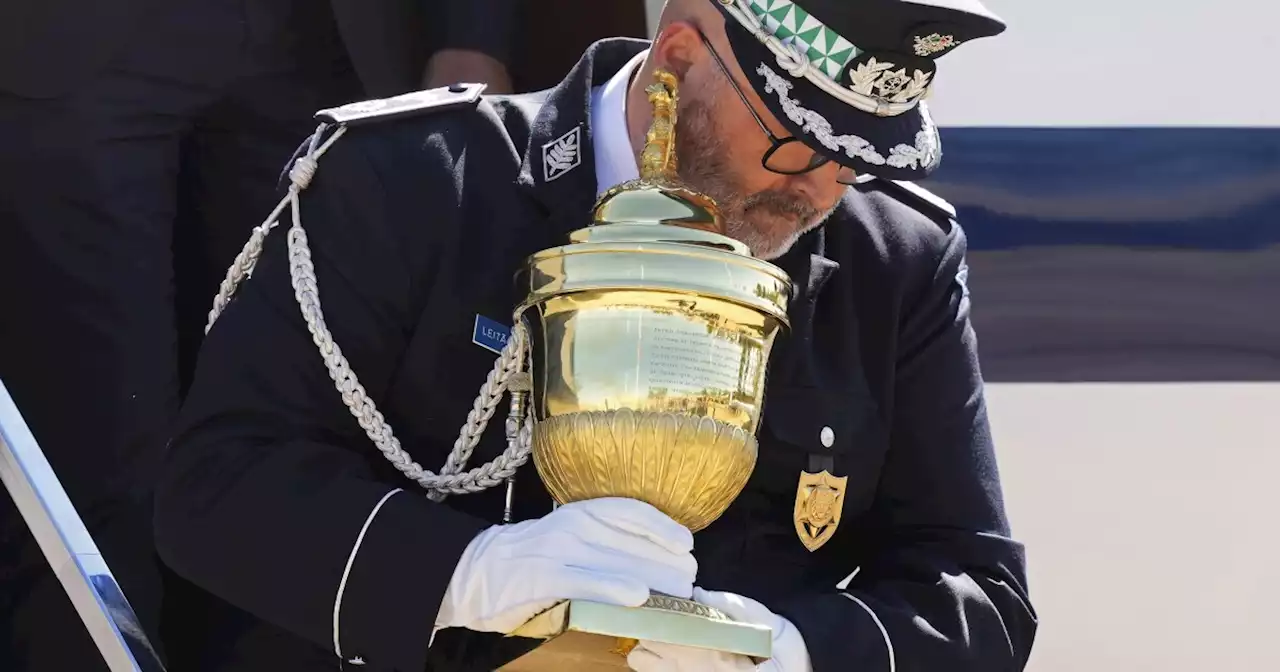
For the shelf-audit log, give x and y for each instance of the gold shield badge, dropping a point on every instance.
(819, 503)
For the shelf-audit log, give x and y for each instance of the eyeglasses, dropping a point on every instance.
(786, 156)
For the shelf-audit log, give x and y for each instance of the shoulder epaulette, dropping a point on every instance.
(920, 197)
(406, 105)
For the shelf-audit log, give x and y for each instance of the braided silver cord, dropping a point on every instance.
(300, 175)
(451, 479)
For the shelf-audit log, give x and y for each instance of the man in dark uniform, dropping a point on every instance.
(139, 143)
(795, 117)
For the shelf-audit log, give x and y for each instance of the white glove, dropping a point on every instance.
(611, 550)
(789, 651)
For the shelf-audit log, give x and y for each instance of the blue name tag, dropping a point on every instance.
(489, 334)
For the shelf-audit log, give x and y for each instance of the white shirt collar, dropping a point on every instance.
(615, 158)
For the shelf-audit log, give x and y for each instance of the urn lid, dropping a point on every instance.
(658, 197)
(656, 234)
(656, 201)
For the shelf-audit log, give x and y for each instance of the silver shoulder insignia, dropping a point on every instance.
(920, 196)
(409, 104)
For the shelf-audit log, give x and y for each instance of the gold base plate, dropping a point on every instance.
(591, 637)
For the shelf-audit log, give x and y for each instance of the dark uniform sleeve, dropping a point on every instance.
(269, 498)
(941, 585)
(486, 26)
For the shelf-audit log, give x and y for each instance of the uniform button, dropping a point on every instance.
(828, 437)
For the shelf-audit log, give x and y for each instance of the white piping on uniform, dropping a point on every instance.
(351, 559)
(893, 663)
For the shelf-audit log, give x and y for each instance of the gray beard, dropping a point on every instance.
(704, 167)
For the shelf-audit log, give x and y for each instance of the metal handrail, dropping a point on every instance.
(68, 547)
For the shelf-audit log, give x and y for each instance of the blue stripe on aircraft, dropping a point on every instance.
(1201, 188)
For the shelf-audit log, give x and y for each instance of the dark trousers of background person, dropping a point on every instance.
(122, 202)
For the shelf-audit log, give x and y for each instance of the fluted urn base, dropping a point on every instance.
(689, 467)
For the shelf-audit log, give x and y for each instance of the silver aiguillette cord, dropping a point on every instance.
(519, 386)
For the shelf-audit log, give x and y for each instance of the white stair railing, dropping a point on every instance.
(69, 549)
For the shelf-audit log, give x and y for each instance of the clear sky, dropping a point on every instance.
(1118, 63)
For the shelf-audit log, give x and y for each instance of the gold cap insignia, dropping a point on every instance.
(819, 503)
(931, 44)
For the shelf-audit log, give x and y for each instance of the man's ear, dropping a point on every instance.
(677, 48)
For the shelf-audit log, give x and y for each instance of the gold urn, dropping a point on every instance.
(649, 335)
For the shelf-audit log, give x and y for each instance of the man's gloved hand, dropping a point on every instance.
(611, 550)
(789, 651)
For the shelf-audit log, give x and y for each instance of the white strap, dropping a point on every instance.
(346, 571)
(893, 662)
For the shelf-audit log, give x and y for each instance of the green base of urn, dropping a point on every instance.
(591, 637)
